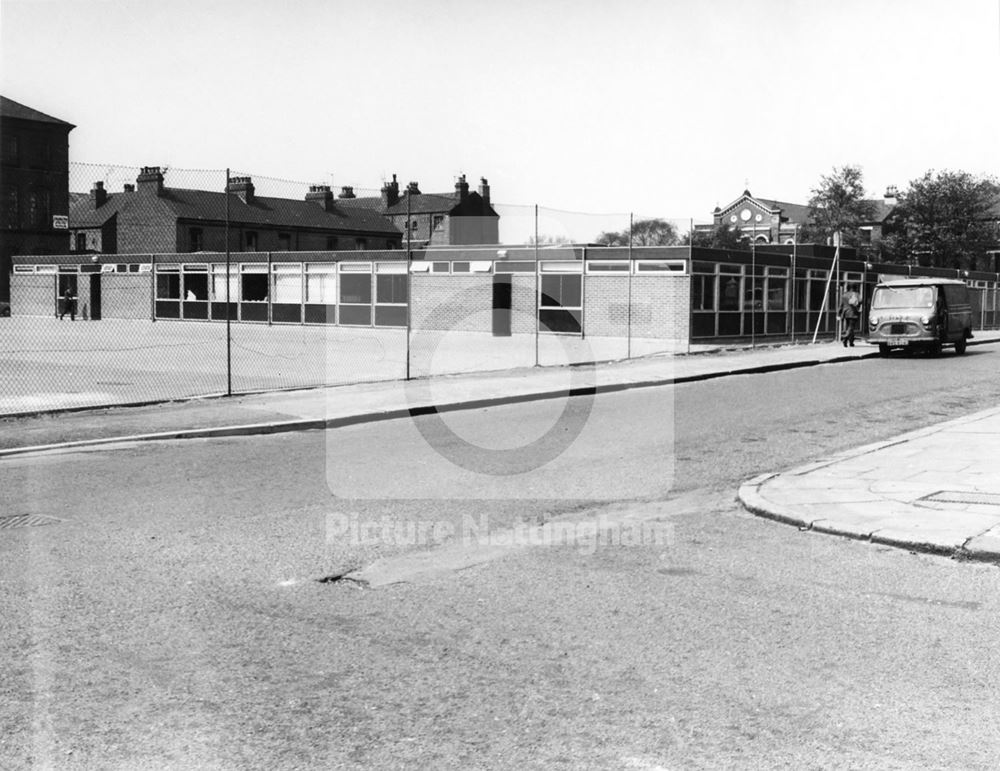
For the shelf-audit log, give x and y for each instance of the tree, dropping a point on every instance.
(544, 239)
(647, 232)
(838, 205)
(722, 237)
(945, 220)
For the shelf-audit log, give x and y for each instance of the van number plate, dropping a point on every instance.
(897, 341)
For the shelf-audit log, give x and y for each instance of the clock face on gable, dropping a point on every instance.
(745, 215)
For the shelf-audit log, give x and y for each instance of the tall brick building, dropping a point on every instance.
(35, 185)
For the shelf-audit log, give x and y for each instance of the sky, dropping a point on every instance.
(664, 109)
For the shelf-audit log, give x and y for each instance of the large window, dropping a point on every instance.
(287, 283)
(703, 292)
(219, 284)
(356, 289)
(168, 282)
(777, 289)
(286, 292)
(390, 289)
(730, 280)
(391, 284)
(195, 283)
(168, 291)
(253, 283)
(321, 284)
(356, 293)
(560, 306)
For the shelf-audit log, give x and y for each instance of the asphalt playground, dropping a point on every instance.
(50, 364)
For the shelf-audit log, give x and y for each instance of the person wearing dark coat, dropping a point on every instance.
(849, 313)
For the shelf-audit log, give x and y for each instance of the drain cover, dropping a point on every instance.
(980, 499)
(26, 520)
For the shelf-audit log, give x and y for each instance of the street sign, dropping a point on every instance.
(60, 222)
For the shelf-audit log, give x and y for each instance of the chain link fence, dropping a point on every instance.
(166, 283)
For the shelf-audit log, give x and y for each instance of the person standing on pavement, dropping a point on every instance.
(849, 313)
(68, 305)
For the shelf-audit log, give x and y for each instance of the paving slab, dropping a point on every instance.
(933, 490)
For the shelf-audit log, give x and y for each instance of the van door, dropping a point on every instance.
(958, 310)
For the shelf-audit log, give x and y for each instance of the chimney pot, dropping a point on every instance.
(99, 194)
(322, 195)
(151, 178)
(243, 187)
(390, 193)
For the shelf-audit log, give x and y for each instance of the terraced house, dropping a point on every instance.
(149, 217)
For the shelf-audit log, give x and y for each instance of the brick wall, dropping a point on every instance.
(605, 305)
(32, 295)
(126, 295)
(661, 307)
(523, 304)
(461, 303)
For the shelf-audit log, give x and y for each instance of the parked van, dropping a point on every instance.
(920, 314)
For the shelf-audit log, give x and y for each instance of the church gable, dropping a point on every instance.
(747, 211)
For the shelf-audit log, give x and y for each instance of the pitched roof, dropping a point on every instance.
(794, 212)
(424, 203)
(420, 203)
(210, 206)
(11, 109)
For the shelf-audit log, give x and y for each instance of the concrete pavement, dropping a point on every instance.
(316, 408)
(935, 490)
(932, 490)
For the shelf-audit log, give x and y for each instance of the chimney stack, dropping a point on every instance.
(322, 195)
(243, 187)
(891, 195)
(99, 195)
(390, 193)
(128, 188)
(484, 190)
(462, 188)
(150, 179)
(412, 189)
(347, 192)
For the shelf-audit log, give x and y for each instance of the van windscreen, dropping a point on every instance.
(903, 297)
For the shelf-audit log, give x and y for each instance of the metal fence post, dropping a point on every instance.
(538, 297)
(409, 287)
(628, 310)
(229, 312)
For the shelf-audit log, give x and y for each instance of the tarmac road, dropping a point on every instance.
(173, 619)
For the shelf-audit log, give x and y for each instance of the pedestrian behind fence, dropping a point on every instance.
(68, 305)
(849, 313)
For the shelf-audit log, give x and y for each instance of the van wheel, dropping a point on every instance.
(960, 346)
(883, 350)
